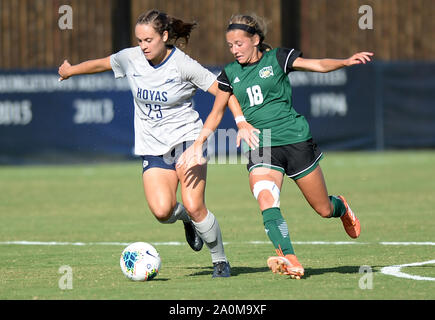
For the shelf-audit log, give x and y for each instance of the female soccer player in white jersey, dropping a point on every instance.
(163, 80)
(259, 80)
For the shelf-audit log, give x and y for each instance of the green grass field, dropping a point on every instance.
(89, 211)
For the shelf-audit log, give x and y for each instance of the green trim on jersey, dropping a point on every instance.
(266, 165)
(264, 92)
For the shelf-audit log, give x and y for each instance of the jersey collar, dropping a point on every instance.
(164, 61)
(254, 63)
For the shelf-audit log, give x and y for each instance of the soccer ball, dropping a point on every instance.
(140, 261)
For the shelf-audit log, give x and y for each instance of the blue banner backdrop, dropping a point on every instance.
(375, 106)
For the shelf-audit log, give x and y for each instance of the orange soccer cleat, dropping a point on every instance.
(287, 264)
(350, 221)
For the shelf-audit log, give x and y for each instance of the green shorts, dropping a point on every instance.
(295, 160)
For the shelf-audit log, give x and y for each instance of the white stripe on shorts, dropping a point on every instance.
(296, 174)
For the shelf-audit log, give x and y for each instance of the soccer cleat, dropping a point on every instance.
(287, 264)
(192, 237)
(350, 221)
(221, 269)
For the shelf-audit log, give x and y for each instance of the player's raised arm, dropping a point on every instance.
(67, 70)
(327, 65)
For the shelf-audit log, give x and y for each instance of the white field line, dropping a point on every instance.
(390, 270)
(408, 243)
(395, 271)
(176, 243)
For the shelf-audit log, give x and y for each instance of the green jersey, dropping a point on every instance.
(264, 92)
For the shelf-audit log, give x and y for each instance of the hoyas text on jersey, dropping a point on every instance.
(152, 95)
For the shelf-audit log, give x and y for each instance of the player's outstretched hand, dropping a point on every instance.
(358, 58)
(63, 70)
(248, 133)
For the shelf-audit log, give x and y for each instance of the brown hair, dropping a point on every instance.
(255, 25)
(161, 22)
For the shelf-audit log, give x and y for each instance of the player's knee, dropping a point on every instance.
(195, 209)
(162, 211)
(267, 194)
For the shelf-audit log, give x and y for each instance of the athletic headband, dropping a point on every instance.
(243, 27)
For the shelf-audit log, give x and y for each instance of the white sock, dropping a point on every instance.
(179, 213)
(210, 232)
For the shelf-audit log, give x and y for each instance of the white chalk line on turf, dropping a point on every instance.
(395, 271)
(390, 270)
(177, 243)
(408, 243)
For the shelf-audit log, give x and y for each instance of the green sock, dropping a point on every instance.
(277, 230)
(339, 207)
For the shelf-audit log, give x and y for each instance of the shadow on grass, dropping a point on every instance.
(309, 272)
(235, 271)
(160, 279)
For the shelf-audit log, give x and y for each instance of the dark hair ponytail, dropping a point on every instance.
(176, 28)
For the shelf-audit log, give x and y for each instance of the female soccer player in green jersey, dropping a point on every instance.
(259, 80)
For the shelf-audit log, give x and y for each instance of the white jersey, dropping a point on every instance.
(163, 107)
